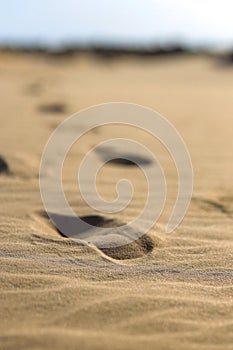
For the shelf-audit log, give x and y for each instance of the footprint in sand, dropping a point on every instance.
(136, 249)
(4, 168)
(123, 158)
(54, 108)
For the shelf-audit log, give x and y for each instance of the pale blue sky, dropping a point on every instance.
(127, 21)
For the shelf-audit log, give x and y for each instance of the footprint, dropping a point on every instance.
(123, 158)
(136, 249)
(222, 205)
(55, 108)
(4, 168)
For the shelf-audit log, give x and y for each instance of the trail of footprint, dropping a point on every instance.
(130, 245)
(136, 249)
(4, 168)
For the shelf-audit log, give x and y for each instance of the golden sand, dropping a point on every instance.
(162, 291)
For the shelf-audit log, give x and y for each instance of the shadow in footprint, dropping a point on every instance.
(4, 168)
(136, 249)
(135, 161)
(55, 108)
(123, 158)
(97, 220)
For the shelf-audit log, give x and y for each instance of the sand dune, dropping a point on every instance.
(159, 292)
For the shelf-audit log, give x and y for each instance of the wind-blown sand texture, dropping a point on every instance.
(160, 292)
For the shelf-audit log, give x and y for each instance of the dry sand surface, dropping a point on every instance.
(160, 292)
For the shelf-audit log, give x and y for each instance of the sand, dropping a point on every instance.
(160, 292)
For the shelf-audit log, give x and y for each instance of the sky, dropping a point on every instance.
(129, 22)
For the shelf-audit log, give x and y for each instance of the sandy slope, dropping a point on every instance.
(164, 292)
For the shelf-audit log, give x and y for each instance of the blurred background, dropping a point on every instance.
(126, 23)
